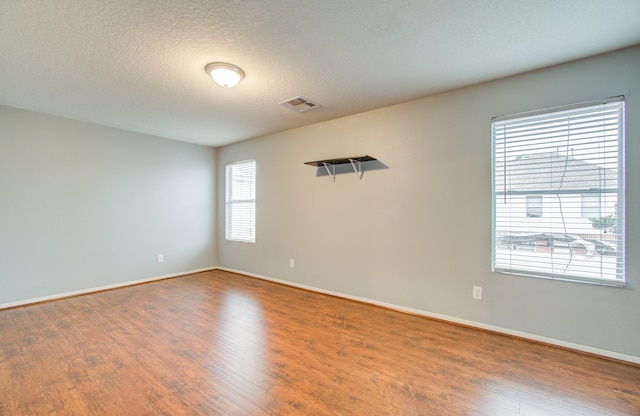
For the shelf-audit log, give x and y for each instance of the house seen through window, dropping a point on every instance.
(558, 194)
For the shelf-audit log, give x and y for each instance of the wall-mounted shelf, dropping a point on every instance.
(330, 164)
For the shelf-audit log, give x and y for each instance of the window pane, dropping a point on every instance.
(570, 162)
(534, 206)
(590, 205)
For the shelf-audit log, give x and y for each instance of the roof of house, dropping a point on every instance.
(552, 171)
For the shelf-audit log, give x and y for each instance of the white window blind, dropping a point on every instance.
(240, 201)
(567, 159)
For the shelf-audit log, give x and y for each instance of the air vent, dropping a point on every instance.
(300, 104)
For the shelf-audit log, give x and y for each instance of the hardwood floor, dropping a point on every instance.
(224, 344)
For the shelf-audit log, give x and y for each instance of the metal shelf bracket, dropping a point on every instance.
(331, 172)
(358, 171)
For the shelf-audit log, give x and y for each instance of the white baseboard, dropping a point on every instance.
(99, 288)
(479, 325)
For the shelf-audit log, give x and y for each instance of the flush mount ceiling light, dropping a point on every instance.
(224, 74)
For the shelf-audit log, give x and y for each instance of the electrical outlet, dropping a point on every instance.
(160, 258)
(477, 292)
(292, 263)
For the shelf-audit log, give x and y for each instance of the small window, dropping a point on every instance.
(590, 205)
(240, 201)
(572, 158)
(534, 206)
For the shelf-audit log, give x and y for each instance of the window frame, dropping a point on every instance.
(620, 254)
(242, 229)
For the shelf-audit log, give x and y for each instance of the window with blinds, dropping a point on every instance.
(240, 201)
(558, 193)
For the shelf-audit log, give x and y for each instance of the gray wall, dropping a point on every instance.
(417, 234)
(84, 206)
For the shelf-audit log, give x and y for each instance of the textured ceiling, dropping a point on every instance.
(139, 65)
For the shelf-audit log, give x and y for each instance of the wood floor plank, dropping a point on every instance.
(226, 344)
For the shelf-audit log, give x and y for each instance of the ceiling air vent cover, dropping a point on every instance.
(300, 104)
